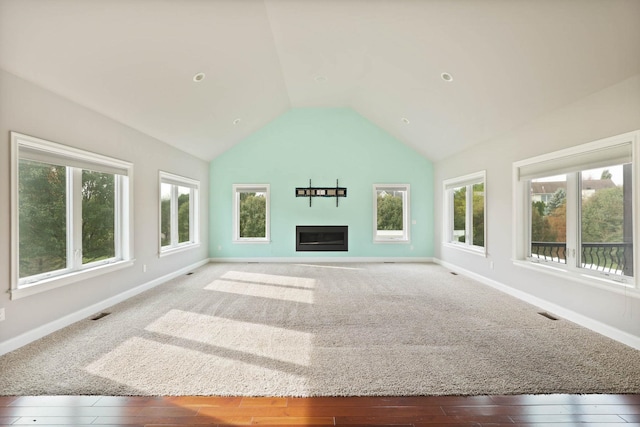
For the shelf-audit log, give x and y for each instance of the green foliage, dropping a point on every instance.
(478, 215)
(540, 229)
(165, 222)
(253, 215)
(183, 218)
(558, 198)
(459, 211)
(98, 216)
(539, 206)
(603, 216)
(389, 212)
(42, 218)
(42, 211)
(606, 174)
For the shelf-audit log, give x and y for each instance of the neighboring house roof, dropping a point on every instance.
(597, 184)
(550, 187)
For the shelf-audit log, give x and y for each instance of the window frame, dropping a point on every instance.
(448, 187)
(578, 158)
(194, 213)
(75, 161)
(406, 214)
(250, 188)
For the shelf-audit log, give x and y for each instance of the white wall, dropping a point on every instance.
(612, 111)
(31, 110)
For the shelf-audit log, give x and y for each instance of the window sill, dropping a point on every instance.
(476, 250)
(256, 241)
(392, 241)
(627, 289)
(177, 249)
(67, 279)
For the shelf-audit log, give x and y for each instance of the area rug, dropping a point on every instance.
(321, 330)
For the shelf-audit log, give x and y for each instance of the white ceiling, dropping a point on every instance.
(134, 61)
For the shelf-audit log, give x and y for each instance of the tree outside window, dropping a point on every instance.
(391, 212)
(71, 213)
(465, 211)
(42, 211)
(251, 213)
(605, 225)
(178, 212)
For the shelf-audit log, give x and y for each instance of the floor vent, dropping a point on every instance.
(100, 316)
(548, 316)
(454, 273)
(189, 273)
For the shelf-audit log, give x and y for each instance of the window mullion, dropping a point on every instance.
(451, 215)
(469, 215)
(193, 205)
(174, 215)
(117, 220)
(75, 219)
(573, 221)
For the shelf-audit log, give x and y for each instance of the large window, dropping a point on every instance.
(70, 212)
(251, 213)
(464, 212)
(178, 212)
(576, 207)
(391, 213)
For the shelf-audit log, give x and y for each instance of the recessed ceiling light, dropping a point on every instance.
(446, 77)
(405, 120)
(198, 77)
(236, 121)
(320, 79)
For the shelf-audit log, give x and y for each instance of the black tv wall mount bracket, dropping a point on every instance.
(310, 192)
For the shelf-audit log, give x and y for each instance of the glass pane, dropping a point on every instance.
(98, 216)
(548, 218)
(459, 214)
(165, 214)
(390, 216)
(253, 215)
(184, 195)
(478, 214)
(606, 220)
(42, 209)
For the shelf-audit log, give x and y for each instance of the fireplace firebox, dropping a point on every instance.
(322, 238)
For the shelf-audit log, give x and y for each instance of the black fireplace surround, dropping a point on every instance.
(322, 238)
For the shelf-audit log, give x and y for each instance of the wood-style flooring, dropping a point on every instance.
(524, 410)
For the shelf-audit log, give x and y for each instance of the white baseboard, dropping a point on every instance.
(306, 260)
(44, 330)
(587, 322)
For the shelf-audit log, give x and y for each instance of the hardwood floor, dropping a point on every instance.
(522, 410)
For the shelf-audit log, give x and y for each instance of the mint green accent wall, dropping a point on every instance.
(321, 144)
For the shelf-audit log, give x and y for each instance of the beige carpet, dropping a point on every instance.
(308, 330)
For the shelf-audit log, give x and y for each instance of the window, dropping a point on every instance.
(70, 210)
(464, 212)
(179, 210)
(576, 207)
(251, 213)
(391, 213)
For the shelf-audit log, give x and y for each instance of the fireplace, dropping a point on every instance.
(322, 238)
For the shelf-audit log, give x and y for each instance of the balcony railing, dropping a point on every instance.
(614, 258)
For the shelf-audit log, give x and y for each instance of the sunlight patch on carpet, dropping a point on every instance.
(266, 341)
(160, 369)
(263, 290)
(270, 279)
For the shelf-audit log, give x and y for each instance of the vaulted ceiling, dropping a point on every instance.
(135, 61)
